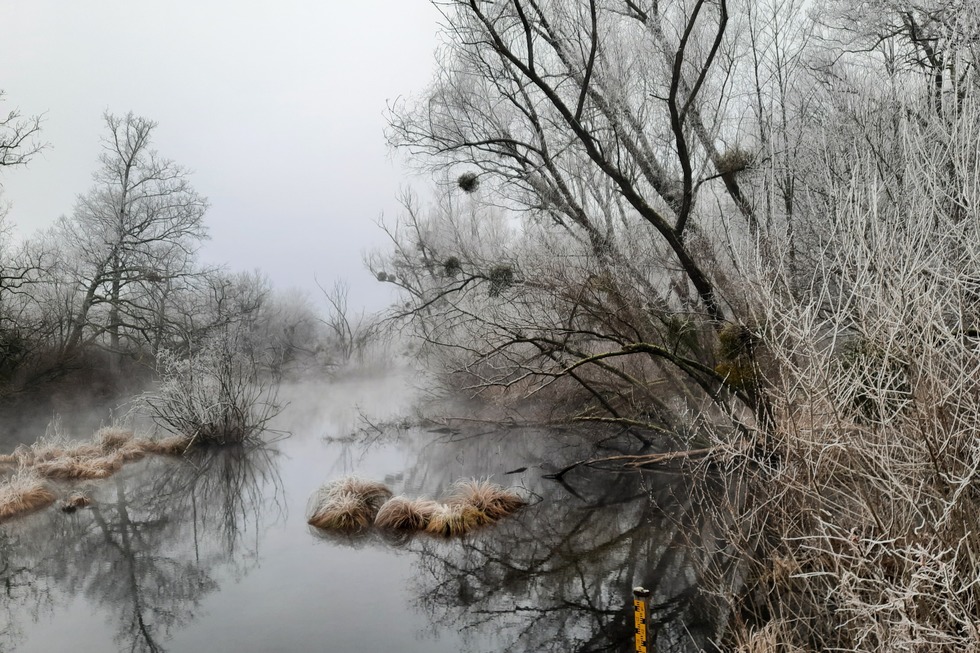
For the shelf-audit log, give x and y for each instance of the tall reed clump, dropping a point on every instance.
(348, 504)
(217, 396)
(22, 493)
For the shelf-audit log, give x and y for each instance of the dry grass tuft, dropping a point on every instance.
(40, 451)
(23, 493)
(113, 438)
(110, 448)
(493, 501)
(8, 463)
(455, 519)
(375, 493)
(133, 450)
(61, 459)
(74, 501)
(350, 503)
(404, 514)
(78, 467)
(342, 511)
(55, 450)
(175, 445)
(121, 441)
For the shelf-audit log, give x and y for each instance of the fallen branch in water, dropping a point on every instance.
(636, 461)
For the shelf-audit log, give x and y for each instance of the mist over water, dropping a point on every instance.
(213, 552)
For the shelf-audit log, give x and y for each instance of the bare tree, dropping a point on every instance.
(611, 127)
(138, 227)
(18, 137)
(753, 207)
(20, 267)
(539, 95)
(349, 334)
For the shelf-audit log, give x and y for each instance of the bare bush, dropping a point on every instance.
(215, 396)
(348, 335)
(862, 521)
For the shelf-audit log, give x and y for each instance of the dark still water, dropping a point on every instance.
(214, 554)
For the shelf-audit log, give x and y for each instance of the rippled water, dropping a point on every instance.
(214, 554)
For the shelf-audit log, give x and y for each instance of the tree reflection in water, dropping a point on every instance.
(148, 548)
(558, 577)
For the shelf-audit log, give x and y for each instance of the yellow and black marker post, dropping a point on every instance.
(641, 618)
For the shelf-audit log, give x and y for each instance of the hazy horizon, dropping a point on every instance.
(278, 112)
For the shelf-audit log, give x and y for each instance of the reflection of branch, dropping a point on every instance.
(144, 631)
(233, 479)
(557, 576)
(531, 569)
(128, 532)
(121, 553)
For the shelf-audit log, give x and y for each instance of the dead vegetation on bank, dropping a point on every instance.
(35, 470)
(352, 505)
(23, 493)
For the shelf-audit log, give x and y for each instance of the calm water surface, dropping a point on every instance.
(214, 554)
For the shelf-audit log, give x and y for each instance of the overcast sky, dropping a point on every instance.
(277, 107)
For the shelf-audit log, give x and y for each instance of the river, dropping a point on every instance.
(213, 553)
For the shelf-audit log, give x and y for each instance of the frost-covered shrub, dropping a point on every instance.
(216, 396)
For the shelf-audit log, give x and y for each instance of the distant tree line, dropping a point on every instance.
(114, 283)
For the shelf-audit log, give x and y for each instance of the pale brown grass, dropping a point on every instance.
(455, 519)
(23, 493)
(374, 493)
(74, 501)
(25, 456)
(133, 450)
(404, 514)
(65, 460)
(174, 445)
(113, 438)
(350, 503)
(110, 448)
(40, 451)
(79, 467)
(8, 463)
(342, 511)
(52, 450)
(493, 501)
